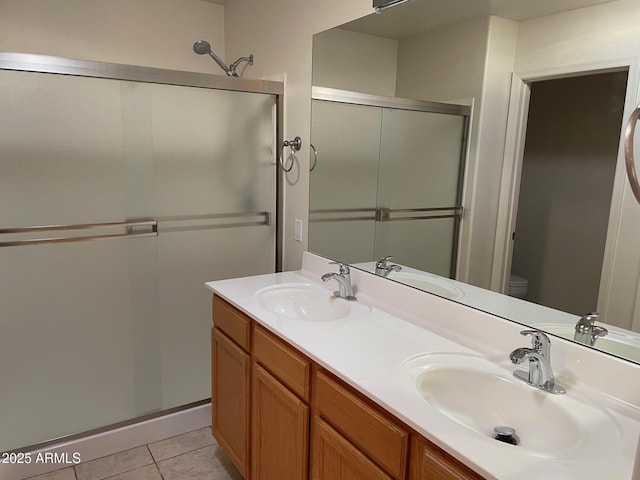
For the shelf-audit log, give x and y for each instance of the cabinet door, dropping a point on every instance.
(334, 458)
(230, 370)
(428, 462)
(280, 430)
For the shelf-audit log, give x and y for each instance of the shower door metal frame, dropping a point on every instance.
(380, 214)
(27, 62)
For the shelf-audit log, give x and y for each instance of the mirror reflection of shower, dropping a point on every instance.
(202, 47)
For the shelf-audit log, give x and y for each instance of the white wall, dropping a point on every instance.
(156, 33)
(445, 63)
(355, 61)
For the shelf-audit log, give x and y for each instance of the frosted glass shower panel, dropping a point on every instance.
(422, 244)
(421, 156)
(213, 151)
(215, 200)
(61, 150)
(71, 350)
(420, 159)
(342, 186)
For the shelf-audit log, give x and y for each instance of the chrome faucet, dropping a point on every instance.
(540, 374)
(586, 330)
(343, 277)
(383, 269)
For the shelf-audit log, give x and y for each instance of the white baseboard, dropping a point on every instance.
(106, 443)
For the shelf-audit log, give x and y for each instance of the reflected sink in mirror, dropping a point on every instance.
(480, 395)
(308, 302)
(620, 343)
(428, 283)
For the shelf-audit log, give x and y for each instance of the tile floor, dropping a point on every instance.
(191, 456)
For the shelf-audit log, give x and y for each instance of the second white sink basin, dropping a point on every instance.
(308, 302)
(481, 395)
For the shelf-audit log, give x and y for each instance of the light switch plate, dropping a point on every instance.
(297, 230)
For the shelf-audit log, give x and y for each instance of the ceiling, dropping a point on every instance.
(421, 15)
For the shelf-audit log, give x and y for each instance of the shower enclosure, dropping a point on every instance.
(388, 180)
(122, 190)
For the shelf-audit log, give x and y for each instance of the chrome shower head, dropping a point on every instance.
(202, 47)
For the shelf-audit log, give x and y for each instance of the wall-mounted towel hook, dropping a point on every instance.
(295, 145)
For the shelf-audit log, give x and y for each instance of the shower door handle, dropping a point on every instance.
(628, 153)
(131, 231)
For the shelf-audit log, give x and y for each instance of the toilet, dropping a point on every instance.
(518, 286)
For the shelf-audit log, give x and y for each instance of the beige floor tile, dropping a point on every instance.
(114, 464)
(180, 444)
(208, 463)
(150, 472)
(63, 474)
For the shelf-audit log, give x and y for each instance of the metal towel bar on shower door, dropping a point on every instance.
(173, 223)
(129, 225)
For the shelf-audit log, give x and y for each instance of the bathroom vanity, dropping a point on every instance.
(401, 384)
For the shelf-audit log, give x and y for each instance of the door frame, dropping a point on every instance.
(513, 158)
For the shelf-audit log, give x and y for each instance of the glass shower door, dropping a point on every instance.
(68, 343)
(102, 331)
(419, 189)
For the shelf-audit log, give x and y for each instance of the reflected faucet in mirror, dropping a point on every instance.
(586, 330)
(383, 269)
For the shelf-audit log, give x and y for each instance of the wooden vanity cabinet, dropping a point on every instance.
(262, 390)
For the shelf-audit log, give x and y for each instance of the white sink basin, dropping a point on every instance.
(620, 344)
(480, 395)
(428, 283)
(308, 302)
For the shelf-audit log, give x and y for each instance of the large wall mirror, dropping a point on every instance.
(480, 145)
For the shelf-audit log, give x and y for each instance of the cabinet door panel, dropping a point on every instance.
(280, 430)
(287, 364)
(230, 367)
(375, 434)
(428, 462)
(334, 458)
(235, 324)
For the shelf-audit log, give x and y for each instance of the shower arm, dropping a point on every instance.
(234, 65)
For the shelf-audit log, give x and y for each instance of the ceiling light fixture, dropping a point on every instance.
(380, 5)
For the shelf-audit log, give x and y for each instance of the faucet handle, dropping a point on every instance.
(382, 263)
(586, 322)
(539, 341)
(344, 268)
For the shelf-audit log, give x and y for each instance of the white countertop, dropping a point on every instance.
(367, 353)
